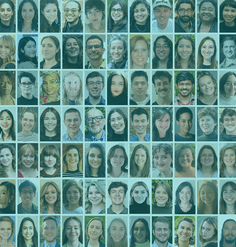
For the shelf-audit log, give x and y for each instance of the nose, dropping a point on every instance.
(140, 52)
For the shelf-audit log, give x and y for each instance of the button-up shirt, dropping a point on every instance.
(178, 101)
(79, 137)
(229, 66)
(45, 244)
(135, 138)
(90, 137)
(101, 66)
(155, 244)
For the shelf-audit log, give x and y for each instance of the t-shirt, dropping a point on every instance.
(168, 29)
(23, 101)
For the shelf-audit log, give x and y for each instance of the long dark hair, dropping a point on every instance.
(65, 165)
(21, 239)
(12, 132)
(34, 24)
(180, 187)
(3, 173)
(223, 206)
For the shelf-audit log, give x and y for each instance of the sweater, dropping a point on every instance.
(142, 208)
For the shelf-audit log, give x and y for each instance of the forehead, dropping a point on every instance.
(49, 223)
(185, 115)
(94, 42)
(229, 224)
(26, 79)
(27, 188)
(97, 78)
(71, 40)
(94, 112)
(229, 42)
(96, 223)
(6, 6)
(207, 4)
(184, 82)
(118, 188)
(185, 6)
(185, 224)
(186, 150)
(72, 5)
(159, 224)
(161, 7)
(139, 79)
(72, 115)
(162, 79)
(142, 116)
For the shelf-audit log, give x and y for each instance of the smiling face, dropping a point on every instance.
(72, 48)
(229, 195)
(185, 195)
(6, 157)
(49, 49)
(95, 126)
(230, 87)
(49, 231)
(72, 122)
(185, 123)
(118, 158)
(28, 122)
(161, 196)
(28, 230)
(140, 55)
(206, 85)
(140, 232)
(49, 161)
(94, 49)
(95, 87)
(185, 12)
(207, 124)
(72, 86)
(140, 123)
(140, 158)
(162, 14)
(162, 49)
(28, 159)
(72, 158)
(229, 14)
(207, 195)
(72, 230)
(161, 231)
(27, 195)
(5, 230)
(185, 49)
(117, 49)
(50, 12)
(94, 196)
(229, 158)
(30, 49)
(117, 85)
(4, 50)
(95, 158)
(229, 123)
(27, 12)
(139, 194)
(207, 157)
(229, 49)
(208, 49)
(50, 85)
(186, 158)
(51, 195)
(185, 231)
(72, 13)
(117, 13)
(162, 86)
(50, 121)
(185, 88)
(95, 16)
(26, 86)
(117, 195)
(117, 123)
(94, 230)
(163, 124)
(5, 122)
(207, 12)
(4, 196)
(141, 14)
(73, 195)
(117, 231)
(6, 13)
(162, 161)
(229, 232)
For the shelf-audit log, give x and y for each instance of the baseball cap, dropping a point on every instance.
(162, 3)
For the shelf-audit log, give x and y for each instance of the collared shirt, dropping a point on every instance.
(101, 66)
(135, 138)
(90, 137)
(79, 137)
(178, 101)
(102, 101)
(155, 244)
(124, 211)
(229, 66)
(45, 244)
(33, 210)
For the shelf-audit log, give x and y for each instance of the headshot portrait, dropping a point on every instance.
(228, 124)
(8, 224)
(228, 191)
(228, 161)
(227, 25)
(7, 87)
(228, 52)
(7, 125)
(229, 225)
(8, 198)
(7, 161)
(7, 24)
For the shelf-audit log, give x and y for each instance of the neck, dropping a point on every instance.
(162, 26)
(8, 168)
(228, 96)
(164, 62)
(6, 23)
(27, 96)
(162, 134)
(27, 206)
(94, 172)
(94, 101)
(72, 135)
(97, 208)
(168, 173)
(51, 209)
(230, 170)
(72, 207)
(73, 243)
(71, 24)
(117, 208)
(141, 136)
(163, 101)
(230, 209)
(96, 63)
(184, 63)
(72, 168)
(230, 24)
(72, 60)
(139, 98)
(49, 63)
(183, 134)
(96, 26)
(72, 98)
(206, 171)
(134, 66)
(159, 244)
(231, 133)
(50, 133)
(99, 135)
(207, 61)
(186, 99)
(50, 170)
(28, 241)
(183, 244)
(27, 27)
(6, 134)
(116, 172)
(208, 99)
(93, 242)
(50, 242)
(26, 133)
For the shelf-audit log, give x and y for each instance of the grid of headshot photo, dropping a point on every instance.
(117, 123)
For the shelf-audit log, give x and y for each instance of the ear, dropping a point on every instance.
(177, 122)
(22, 50)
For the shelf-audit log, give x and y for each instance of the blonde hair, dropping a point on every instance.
(8, 39)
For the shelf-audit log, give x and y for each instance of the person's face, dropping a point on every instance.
(28, 121)
(185, 122)
(229, 14)
(95, 16)
(4, 196)
(49, 161)
(229, 158)
(94, 196)
(161, 232)
(50, 121)
(5, 84)
(95, 126)
(94, 49)
(28, 159)
(27, 195)
(5, 121)
(118, 158)
(117, 85)
(72, 122)
(30, 49)
(185, 12)
(140, 158)
(49, 49)
(117, 13)
(72, 48)
(72, 12)
(208, 49)
(95, 158)
(229, 195)
(139, 86)
(95, 230)
(51, 195)
(207, 157)
(207, 231)
(72, 230)
(206, 85)
(141, 14)
(207, 12)
(49, 230)
(207, 195)
(186, 158)
(185, 88)
(162, 14)
(185, 231)
(72, 157)
(185, 49)
(162, 87)
(140, 232)
(161, 196)
(50, 12)
(117, 123)
(163, 124)
(140, 123)
(6, 157)
(230, 87)
(72, 86)
(229, 49)
(229, 232)
(139, 194)
(117, 49)
(5, 230)
(73, 195)
(207, 124)
(4, 50)
(229, 124)
(6, 13)
(26, 86)
(27, 12)
(27, 230)
(117, 230)
(185, 195)
(140, 54)
(117, 195)
(162, 49)
(162, 161)
(95, 87)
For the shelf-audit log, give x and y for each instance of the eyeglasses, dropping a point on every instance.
(95, 119)
(73, 11)
(93, 83)
(96, 47)
(25, 192)
(182, 11)
(27, 84)
(96, 12)
(113, 10)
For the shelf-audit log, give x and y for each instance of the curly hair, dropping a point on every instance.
(3, 172)
(12, 132)
(69, 184)
(223, 206)
(201, 74)
(23, 149)
(168, 190)
(222, 154)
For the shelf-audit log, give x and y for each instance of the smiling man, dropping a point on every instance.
(140, 122)
(162, 10)
(27, 191)
(161, 229)
(229, 53)
(185, 84)
(117, 193)
(228, 119)
(162, 84)
(139, 86)
(228, 235)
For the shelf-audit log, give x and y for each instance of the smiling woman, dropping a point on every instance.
(7, 161)
(228, 162)
(228, 198)
(7, 16)
(7, 126)
(7, 52)
(227, 16)
(7, 226)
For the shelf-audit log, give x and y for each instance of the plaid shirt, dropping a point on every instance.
(178, 101)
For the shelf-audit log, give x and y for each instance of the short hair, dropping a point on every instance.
(94, 74)
(168, 190)
(64, 236)
(116, 185)
(94, 4)
(95, 37)
(162, 220)
(201, 74)
(223, 80)
(227, 112)
(226, 3)
(214, 3)
(191, 239)
(184, 1)
(67, 185)
(183, 110)
(50, 218)
(199, 164)
(23, 150)
(178, 152)
(159, 74)
(27, 183)
(167, 149)
(28, 75)
(208, 111)
(180, 187)
(138, 111)
(223, 206)
(101, 237)
(139, 73)
(70, 110)
(183, 76)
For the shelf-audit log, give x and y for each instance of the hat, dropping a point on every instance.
(165, 3)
